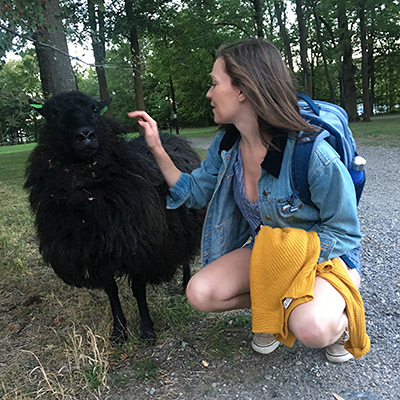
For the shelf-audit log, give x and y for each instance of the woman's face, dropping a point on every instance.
(224, 97)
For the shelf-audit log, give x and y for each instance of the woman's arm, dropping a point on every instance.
(332, 191)
(169, 170)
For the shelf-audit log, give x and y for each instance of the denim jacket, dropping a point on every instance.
(333, 214)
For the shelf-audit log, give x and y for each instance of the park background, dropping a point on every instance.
(158, 55)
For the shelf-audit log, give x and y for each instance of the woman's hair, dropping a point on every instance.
(256, 67)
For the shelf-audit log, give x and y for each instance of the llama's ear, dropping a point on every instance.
(103, 105)
(37, 106)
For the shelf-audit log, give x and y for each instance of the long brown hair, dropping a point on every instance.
(256, 67)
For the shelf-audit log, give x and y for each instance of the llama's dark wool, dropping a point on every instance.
(100, 204)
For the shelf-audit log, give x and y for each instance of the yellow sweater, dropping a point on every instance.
(282, 274)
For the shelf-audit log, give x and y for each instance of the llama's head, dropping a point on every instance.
(73, 123)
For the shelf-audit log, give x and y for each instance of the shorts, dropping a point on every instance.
(353, 259)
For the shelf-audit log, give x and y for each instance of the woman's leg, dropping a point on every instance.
(222, 285)
(321, 322)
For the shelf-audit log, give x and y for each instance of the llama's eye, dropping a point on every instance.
(95, 110)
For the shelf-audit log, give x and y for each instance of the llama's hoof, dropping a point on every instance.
(149, 337)
(118, 338)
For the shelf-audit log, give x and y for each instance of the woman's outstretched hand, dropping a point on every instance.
(169, 170)
(151, 134)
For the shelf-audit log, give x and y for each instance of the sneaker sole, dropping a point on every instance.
(338, 358)
(265, 349)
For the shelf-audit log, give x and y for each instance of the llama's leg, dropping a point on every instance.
(186, 276)
(118, 335)
(146, 324)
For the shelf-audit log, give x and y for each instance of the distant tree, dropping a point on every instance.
(348, 92)
(19, 81)
(97, 33)
(258, 17)
(280, 14)
(308, 85)
(321, 49)
(364, 62)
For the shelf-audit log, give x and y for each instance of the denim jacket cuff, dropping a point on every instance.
(327, 245)
(179, 193)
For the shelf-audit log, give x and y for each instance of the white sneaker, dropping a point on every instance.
(264, 343)
(336, 352)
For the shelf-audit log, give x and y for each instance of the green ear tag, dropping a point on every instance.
(37, 106)
(104, 110)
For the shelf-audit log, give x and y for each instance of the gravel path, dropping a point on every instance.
(299, 373)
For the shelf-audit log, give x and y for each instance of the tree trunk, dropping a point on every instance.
(303, 49)
(348, 95)
(332, 92)
(96, 24)
(135, 51)
(56, 73)
(364, 61)
(371, 61)
(258, 17)
(282, 29)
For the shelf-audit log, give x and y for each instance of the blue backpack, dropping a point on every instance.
(333, 121)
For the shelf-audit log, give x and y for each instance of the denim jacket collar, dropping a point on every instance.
(273, 160)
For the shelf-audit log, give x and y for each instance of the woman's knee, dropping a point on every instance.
(199, 294)
(317, 331)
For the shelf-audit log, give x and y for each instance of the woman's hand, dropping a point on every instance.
(151, 134)
(169, 170)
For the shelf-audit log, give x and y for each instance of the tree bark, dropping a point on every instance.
(348, 95)
(371, 60)
(308, 86)
(258, 17)
(96, 23)
(364, 63)
(135, 51)
(332, 92)
(278, 4)
(56, 73)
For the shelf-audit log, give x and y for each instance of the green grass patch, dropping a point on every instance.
(382, 131)
(17, 148)
(12, 168)
(209, 132)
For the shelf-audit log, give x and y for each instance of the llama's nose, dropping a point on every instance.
(85, 134)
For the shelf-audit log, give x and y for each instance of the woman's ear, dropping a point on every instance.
(242, 96)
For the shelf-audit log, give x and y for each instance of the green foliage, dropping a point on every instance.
(19, 81)
(178, 41)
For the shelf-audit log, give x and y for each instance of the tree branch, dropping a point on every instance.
(30, 39)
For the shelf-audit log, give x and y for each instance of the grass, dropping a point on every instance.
(382, 131)
(53, 341)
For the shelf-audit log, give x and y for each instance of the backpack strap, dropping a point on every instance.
(303, 148)
(310, 103)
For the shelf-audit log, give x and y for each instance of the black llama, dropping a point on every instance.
(100, 205)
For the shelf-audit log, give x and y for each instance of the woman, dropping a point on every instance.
(245, 181)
